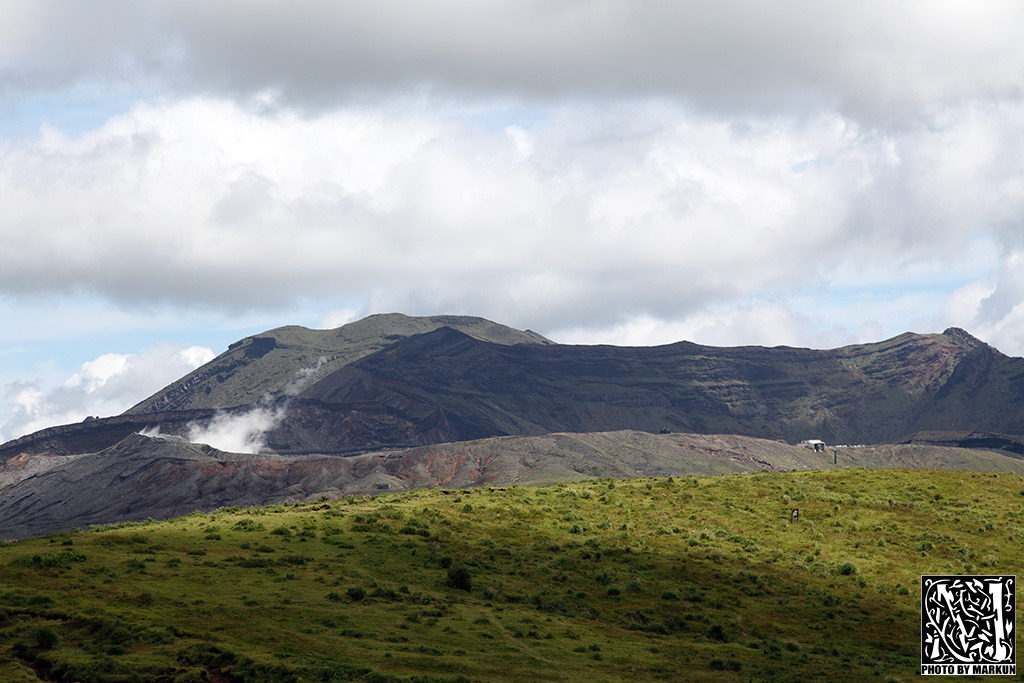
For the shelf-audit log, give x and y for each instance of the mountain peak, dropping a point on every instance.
(962, 338)
(282, 361)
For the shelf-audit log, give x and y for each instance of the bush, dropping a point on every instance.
(719, 665)
(61, 560)
(847, 569)
(458, 578)
(45, 637)
(356, 593)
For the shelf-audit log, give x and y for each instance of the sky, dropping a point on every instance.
(176, 175)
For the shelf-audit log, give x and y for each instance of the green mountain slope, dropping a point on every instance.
(284, 360)
(649, 579)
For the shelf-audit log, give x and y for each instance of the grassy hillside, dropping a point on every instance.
(601, 580)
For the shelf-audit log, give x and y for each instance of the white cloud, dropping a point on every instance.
(107, 385)
(613, 213)
(95, 373)
(874, 58)
(337, 318)
(762, 322)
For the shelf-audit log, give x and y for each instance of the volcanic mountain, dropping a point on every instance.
(462, 388)
(393, 402)
(258, 372)
(392, 381)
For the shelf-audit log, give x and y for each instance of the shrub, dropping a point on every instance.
(135, 565)
(847, 569)
(719, 665)
(716, 632)
(458, 578)
(61, 560)
(45, 637)
(356, 593)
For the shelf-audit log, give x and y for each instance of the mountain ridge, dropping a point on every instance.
(862, 394)
(478, 379)
(452, 409)
(276, 362)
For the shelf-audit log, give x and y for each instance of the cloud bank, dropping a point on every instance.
(874, 59)
(740, 172)
(589, 219)
(107, 385)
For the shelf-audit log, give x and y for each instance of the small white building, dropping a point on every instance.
(813, 444)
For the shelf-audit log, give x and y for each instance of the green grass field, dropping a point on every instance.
(605, 580)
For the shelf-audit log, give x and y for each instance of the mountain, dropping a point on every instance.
(259, 370)
(446, 386)
(281, 361)
(488, 405)
(143, 478)
(382, 383)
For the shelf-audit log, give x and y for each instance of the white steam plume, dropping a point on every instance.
(239, 432)
(303, 377)
(245, 432)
